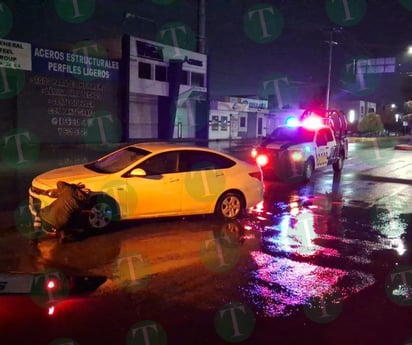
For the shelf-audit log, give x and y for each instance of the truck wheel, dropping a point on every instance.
(308, 169)
(338, 164)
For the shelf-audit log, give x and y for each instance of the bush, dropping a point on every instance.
(371, 124)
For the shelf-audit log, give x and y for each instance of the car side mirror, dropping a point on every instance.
(138, 172)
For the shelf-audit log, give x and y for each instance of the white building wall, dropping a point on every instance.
(246, 118)
(143, 117)
(144, 92)
(220, 124)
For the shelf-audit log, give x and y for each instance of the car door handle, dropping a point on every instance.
(173, 180)
(219, 174)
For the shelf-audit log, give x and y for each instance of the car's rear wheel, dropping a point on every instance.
(230, 205)
(102, 213)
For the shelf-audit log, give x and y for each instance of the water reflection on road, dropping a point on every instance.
(315, 248)
(308, 247)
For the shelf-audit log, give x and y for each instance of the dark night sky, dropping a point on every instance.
(238, 64)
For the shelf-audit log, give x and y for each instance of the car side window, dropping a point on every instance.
(193, 160)
(163, 163)
(328, 134)
(321, 138)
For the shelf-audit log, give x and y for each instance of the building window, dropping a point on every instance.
(150, 51)
(215, 123)
(160, 73)
(198, 79)
(242, 122)
(223, 123)
(145, 70)
(184, 79)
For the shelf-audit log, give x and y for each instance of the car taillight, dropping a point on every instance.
(256, 174)
(262, 160)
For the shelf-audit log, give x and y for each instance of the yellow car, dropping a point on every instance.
(151, 180)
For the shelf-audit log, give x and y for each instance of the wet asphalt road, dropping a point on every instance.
(323, 263)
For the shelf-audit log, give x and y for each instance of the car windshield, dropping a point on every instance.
(293, 134)
(118, 160)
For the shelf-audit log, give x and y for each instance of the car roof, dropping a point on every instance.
(155, 147)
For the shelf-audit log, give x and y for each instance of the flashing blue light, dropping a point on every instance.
(307, 149)
(291, 121)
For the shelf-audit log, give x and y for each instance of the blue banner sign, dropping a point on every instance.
(72, 64)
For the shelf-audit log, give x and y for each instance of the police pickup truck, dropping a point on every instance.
(301, 146)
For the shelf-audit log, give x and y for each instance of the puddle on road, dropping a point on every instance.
(316, 246)
(280, 286)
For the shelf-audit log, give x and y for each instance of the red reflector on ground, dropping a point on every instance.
(51, 285)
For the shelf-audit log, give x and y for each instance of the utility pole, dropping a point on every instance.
(201, 26)
(331, 43)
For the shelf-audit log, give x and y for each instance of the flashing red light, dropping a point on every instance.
(262, 160)
(51, 310)
(312, 122)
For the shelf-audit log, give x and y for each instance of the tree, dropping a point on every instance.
(387, 115)
(408, 116)
(371, 123)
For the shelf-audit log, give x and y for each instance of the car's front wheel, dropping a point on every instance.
(230, 205)
(102, 213)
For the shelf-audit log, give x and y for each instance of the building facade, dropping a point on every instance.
(167, 94)
(238, 118)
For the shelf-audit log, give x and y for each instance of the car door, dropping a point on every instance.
(330, 145)
(321, 148)
(159, 192)
(204, 181)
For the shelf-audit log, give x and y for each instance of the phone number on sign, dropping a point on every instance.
(72, 132)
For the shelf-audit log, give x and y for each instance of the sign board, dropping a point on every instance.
(65, 93)
(72, 64)
(15, 55)
(250, 103)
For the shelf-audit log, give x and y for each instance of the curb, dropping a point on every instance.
(404, 147)
(371, 139)
(384, 179)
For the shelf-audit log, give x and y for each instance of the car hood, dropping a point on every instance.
(279, 145)
(70, 174)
